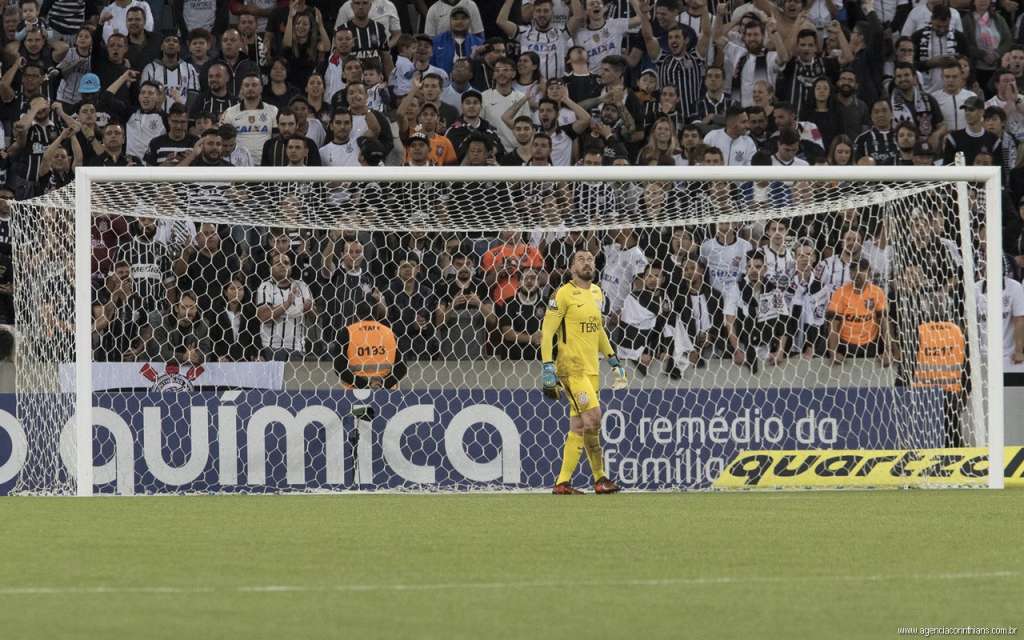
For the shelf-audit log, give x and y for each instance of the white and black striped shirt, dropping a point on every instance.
(182, 77)
(66, 16)
(289, 330)
(550, 45)
(370, 41)
(148, 261)
(686, 74)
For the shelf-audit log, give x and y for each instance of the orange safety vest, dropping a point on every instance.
(940, 356)
(372, 349)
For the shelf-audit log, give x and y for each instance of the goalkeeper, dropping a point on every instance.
(573, 319)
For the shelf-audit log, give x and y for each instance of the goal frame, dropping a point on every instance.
(961, 175)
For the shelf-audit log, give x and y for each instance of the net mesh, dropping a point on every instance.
(737, 308)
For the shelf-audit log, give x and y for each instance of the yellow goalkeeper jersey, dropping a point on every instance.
(573, 322)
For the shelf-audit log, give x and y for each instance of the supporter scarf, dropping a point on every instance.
(920, 114)
(760, 71)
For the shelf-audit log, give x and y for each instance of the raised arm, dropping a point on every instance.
(509, 28)
(577, 18)
(509, 116)
(582, 115)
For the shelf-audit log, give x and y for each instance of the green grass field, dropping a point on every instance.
(735, 565)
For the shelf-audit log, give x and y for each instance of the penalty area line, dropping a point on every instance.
(471, 586)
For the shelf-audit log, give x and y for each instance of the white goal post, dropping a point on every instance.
(87, 179)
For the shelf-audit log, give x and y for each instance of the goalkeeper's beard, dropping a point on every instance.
(586, 275)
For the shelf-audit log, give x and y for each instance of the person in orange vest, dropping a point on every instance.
(368, 353)
(857, 319)
(940, 364)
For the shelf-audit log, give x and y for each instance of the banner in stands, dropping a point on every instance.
(148, 442)
(156, 376)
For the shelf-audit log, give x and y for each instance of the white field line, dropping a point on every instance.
(499, 586)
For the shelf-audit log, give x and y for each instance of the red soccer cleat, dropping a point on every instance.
(604, 485)
(565, 489)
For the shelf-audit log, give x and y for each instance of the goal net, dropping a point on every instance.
(778, 329)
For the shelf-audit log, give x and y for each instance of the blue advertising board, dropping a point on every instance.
(270, 441)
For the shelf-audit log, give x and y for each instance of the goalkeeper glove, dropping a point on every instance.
(550, 381)
(619, 371)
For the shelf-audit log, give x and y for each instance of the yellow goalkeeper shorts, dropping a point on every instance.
(582, 392)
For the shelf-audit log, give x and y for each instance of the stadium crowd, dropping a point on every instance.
(522, 82)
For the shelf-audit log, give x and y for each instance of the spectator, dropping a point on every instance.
(471, 124)
(337, 58)
(734, 143)
(643, 320)
(851, 108)
(857, 320)
(751, 61)
(519, 320)
(906, 140)
(235, 330)
(75, 64)
(118, 316)
(57, 168)
(112, 152)
(995, 123)
(973, 138)
(146, 123)
(199, 42)
(421, 54)
(342, 150)
(239, 65)
(170, 147)
(711, 108)
(177, 78)
(114, 17)
(603, 35)
(461, 75)
(371, 38)
(695, 306)
(278, 91)
(383, 11)
(988, 38)
(274, 150)
(147, 259)
(909, 103)
(624, 261)
(365, 121)
(502, 263)
(548, 41)
(208, 152)
(581, 82)
(143, 44)
(252, 118)
(809, 138)
(216, 98)
(952, 96)
(878, 142)
(319, 108)
(462, 310)
(822, 111)
(282, 307)
(680, 69)
(758, 330)
(438, 18)
(347, 280)
(810, 300)
(799, 75)
(411, 306)
(304, 42)
(840, 153)
(183, 336)
(33, 133)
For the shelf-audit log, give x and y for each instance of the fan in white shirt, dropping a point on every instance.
(736, 146)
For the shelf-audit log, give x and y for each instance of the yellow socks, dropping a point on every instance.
(592, 443)
(571, 456)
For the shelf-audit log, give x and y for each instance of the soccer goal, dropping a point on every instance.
(193, 330)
